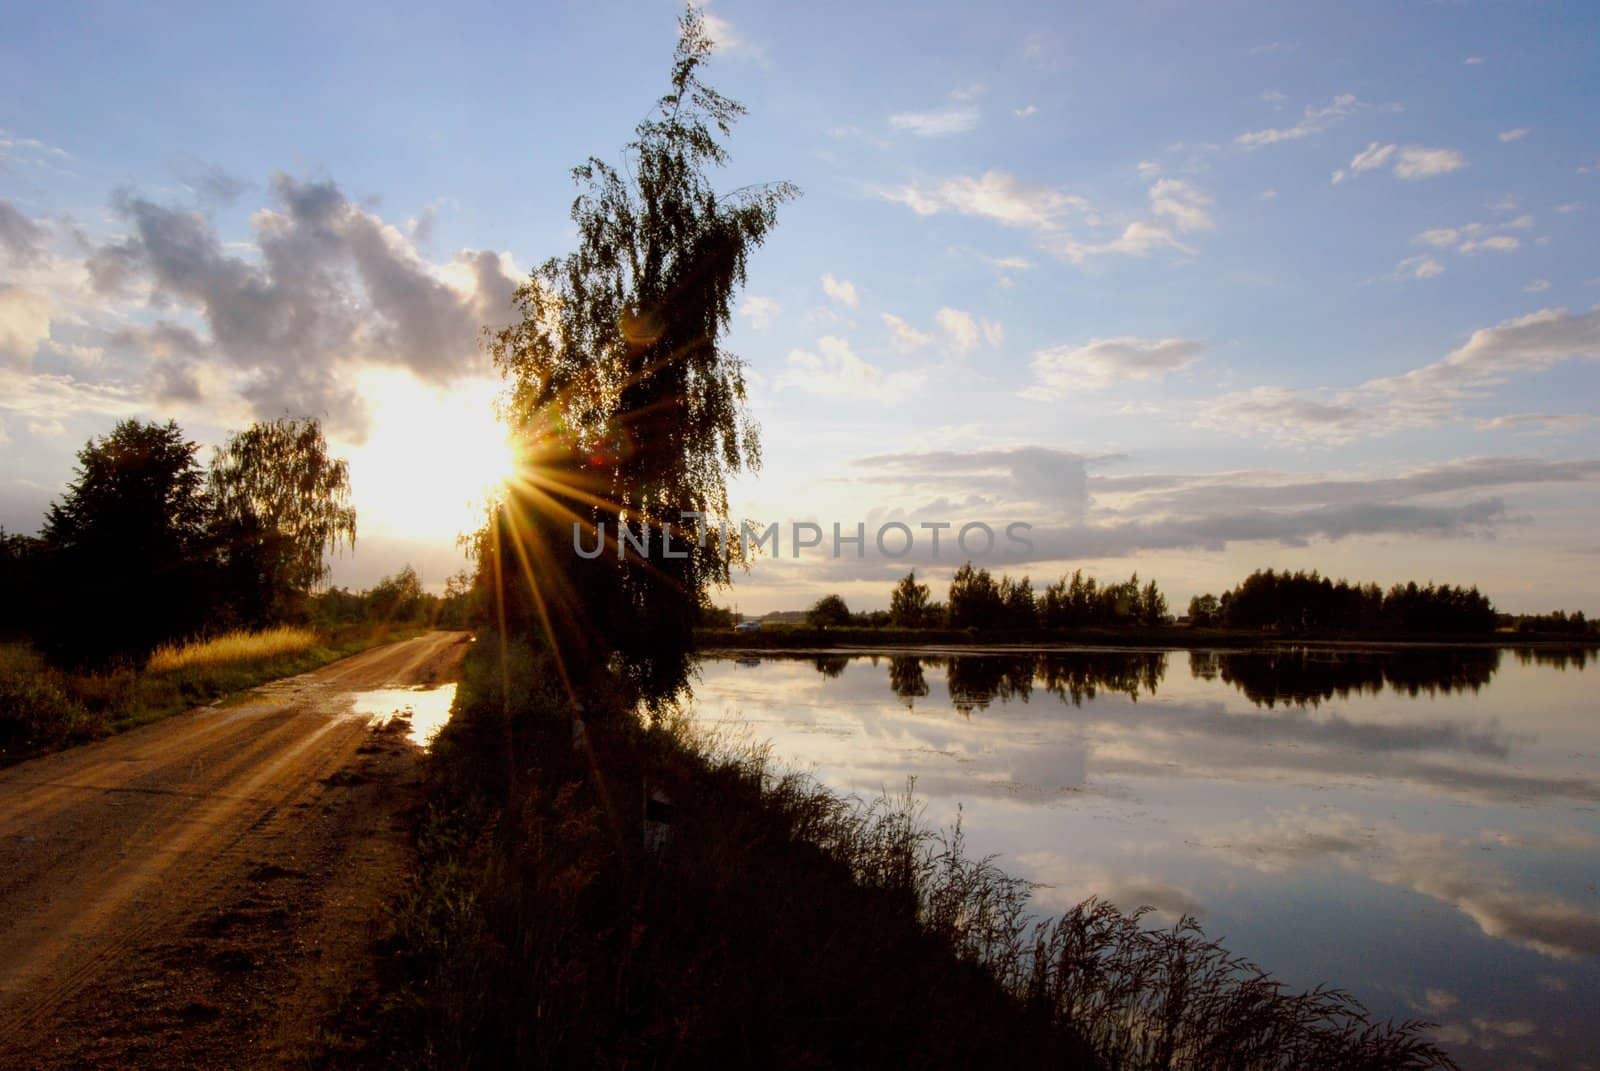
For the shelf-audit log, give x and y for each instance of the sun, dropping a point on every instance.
(432, 460)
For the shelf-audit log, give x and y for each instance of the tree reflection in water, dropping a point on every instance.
(1284, 676)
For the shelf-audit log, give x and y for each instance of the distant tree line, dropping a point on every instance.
(1309, 602)
(1559, 623)
(977, 600)
(1270, 600)
(147, 545)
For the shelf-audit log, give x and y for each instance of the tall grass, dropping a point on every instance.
(783, 925)
(44, 709)
(233, 648)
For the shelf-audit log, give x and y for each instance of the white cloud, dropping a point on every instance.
(1026, 112)
(1005, 199)
(1418, 162)
(1137, 239)
(1515, 135)
(1473, 61)
(288, 321)
(1373, 156)
(1274, 97)
(1186, 206)
(840, 290)
(1537, 286)
(1500, 243)
(903, 336)
(1060, 371)
(1419, 267)
(836, 372)
(959, 328)
(1427, 395)
(760, 311)
(724, 37)
(1313, 120)
(938, 123)
(1148, 169)
(24, 324)
(994, 195)
(1273, 48)
(1411, 163)
(1477, 237)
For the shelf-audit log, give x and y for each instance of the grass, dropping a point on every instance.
(43, 709)
(782, 925)
(237, 647)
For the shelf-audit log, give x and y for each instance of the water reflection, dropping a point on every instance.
(425, 709)
(1290, 676)
(1421, 825)
(1557, 657)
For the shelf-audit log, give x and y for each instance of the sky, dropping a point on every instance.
(1188, 289)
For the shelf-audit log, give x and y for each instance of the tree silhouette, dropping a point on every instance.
(279, 503)
(908, 605)
(127, 548)
(829, 611)
(627, 406)
(974, 599)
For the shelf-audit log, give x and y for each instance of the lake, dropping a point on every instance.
(1418, 825)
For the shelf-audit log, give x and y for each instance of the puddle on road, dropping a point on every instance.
(427, 709)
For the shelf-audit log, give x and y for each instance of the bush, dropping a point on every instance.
(36, 710)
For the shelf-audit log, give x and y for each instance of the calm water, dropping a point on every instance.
(1420, 826)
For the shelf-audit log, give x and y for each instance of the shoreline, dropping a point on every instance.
(935, 641)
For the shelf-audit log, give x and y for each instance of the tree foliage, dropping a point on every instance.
(622, 393)
(1301, 601)
(279, 503)
(829, 611)
(908, 605)
(126, 547)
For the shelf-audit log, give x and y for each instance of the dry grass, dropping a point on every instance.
(232, 648)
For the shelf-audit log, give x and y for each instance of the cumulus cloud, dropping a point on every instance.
(1138, 239)
(1419, 162)
(994, 195)
(836, 372)
(1060, 371)
(840, 290)
(1410, 163)
(1313, 120)
(1418, 267)
(1477, 237)
(332, 287)
(1049, 212)
(21, 238)
(902, 335)
(1187, 207)
(959, 328)
(760, 311)
(24, 324)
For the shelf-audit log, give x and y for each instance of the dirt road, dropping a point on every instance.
(197, 893)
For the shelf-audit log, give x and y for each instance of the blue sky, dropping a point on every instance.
(1190, 290)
